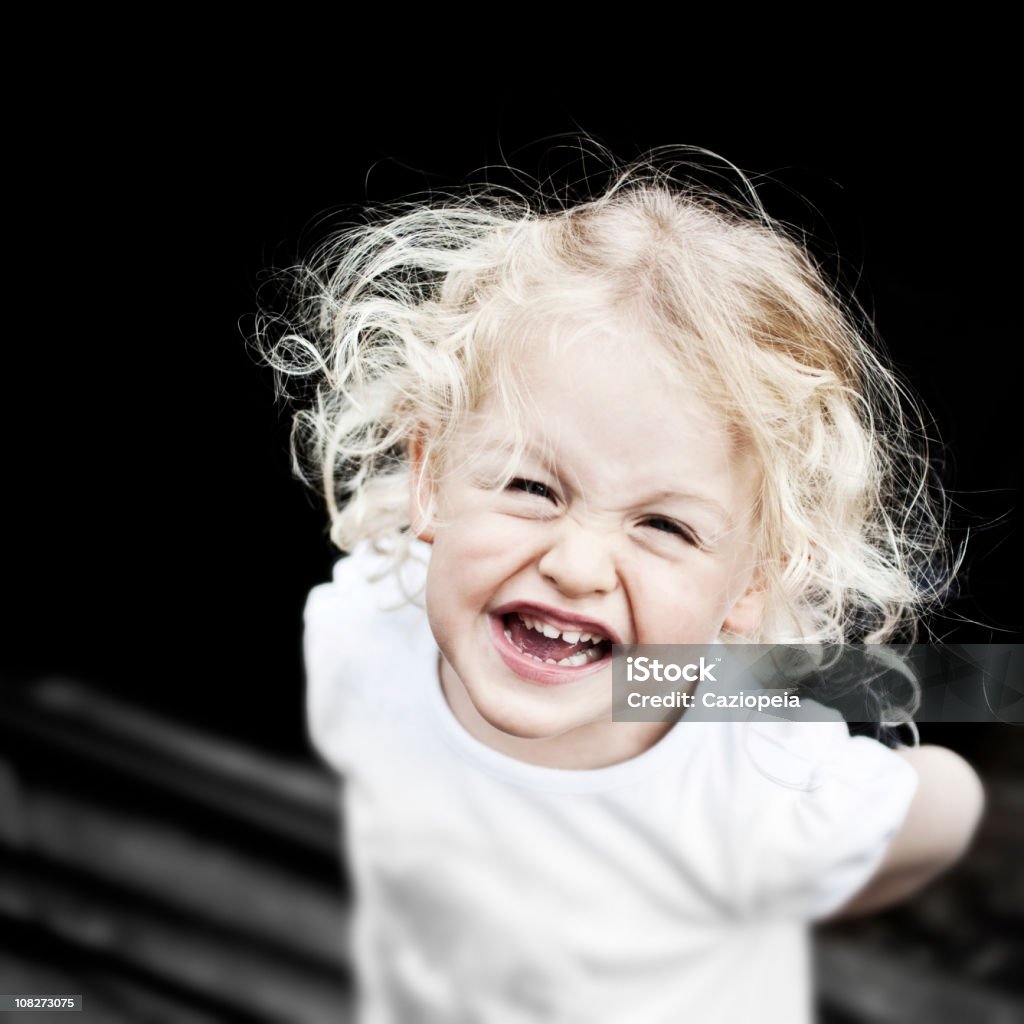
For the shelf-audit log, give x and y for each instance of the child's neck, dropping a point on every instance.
(596, 745)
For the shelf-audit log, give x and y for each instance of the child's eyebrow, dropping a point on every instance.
(689, 497)
(503, 447)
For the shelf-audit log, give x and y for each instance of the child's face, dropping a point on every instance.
(639, 530)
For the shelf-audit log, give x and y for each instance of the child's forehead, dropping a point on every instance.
(611, 389)
(629, 353)
(558, 342)
(563, 331)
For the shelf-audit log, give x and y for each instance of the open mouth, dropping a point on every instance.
(545, 643)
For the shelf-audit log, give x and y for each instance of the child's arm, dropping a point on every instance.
(940, 824)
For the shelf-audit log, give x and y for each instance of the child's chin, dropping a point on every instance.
(528, 730)
(526, 724)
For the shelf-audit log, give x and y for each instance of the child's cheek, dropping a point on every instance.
(487, 556)
(677, 604)
(479, 522)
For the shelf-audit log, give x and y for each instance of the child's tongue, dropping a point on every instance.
(539, 645)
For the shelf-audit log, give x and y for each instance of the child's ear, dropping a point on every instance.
(421, 492)
(747, 612)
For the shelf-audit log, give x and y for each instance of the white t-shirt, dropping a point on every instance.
(674, 887)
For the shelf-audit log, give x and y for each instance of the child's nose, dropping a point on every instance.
(579, 561)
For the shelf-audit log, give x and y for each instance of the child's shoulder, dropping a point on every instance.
(366, 591)
(363, 633)
(820, 809)
(808, 753)
(370, 573)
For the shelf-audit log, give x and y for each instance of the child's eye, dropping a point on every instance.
(670, 526)
(532, 487)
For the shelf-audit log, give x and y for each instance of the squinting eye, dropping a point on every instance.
(668, 526)
(532, 487)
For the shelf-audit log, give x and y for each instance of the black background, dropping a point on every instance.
(157, 545)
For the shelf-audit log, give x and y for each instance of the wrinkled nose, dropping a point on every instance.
(579, 561)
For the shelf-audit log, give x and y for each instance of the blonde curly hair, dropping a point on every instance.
(409, 320)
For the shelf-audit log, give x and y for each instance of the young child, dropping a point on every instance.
(545, 430)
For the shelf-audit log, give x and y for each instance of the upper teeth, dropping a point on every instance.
(570, 636)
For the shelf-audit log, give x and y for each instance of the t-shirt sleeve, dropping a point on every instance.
(825, 827)
(355, 629)
(324, 661)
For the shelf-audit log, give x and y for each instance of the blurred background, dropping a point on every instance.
(169, 845)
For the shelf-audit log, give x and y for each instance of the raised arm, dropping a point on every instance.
(942, 819)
